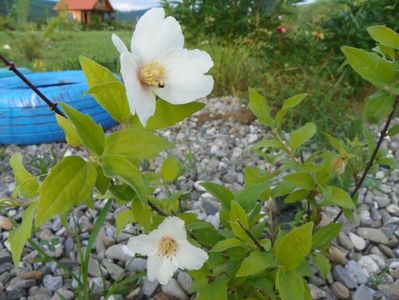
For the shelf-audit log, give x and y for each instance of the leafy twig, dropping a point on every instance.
(52, 105)
(370, 163)
(261, 248)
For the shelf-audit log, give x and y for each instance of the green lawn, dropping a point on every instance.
(60, 50)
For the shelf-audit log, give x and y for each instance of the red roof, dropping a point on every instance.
(84, 5)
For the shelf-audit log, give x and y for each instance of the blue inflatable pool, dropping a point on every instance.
(25, 119)
(7, 73)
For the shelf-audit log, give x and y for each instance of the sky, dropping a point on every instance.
(126, 5)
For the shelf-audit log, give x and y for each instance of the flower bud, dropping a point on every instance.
(339, 165)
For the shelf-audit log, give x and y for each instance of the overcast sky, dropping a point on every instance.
(134, 4)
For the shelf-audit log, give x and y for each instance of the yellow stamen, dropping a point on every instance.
(153, 74)
(167, 247)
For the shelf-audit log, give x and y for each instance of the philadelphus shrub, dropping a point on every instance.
(254, 254)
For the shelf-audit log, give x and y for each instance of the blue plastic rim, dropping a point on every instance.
(4, 72)
(25, 119)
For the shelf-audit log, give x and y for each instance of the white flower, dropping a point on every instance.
(159, 65)
(7, 47)
(167, 249)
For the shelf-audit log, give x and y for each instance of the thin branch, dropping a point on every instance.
(370, 163)
(261, 248)
(157, 209)
(52, 105)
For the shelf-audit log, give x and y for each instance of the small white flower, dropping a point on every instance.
(7, 47)
(158, 65)
(167, 249)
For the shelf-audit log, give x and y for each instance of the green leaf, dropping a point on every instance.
(71, 135)
(102, 182)
(378, 106)
(290, 285)
(26, 184)
(324, 235)
(369, 137)
(337, 144)
(91, 134)
(291, 249)
(122, 192)
(384, 35)
(142, 214)
(267, 143)
(260, 108)
(69, 183)
(216, 290)
(337, 196)
(120, 167)
(223, 194)
(394, 130)
(256, 263)
(370, 66)
(124, 218)
(112, 98)
(302, 180)
(295, 196)
(224, 245)
(170, 168)
(288, 104)
(94, 233)
(323, 264)
(135, 143)
(302, 135)
(108, 91)
(20, 235)
(249, 195)
(237, 214)
(167, 114)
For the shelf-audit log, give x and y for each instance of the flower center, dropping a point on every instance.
(167, 246)
(153, 74)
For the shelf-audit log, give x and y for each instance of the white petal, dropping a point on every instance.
(184, 79)
(119, 44)
(173, 227)
(145, 105)
(160, 268)
(190, 257)
(154, 35)
(187, 60)
(145, 244)
(141, 99)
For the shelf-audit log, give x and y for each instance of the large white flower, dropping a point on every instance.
(167, 249)
(159, 65)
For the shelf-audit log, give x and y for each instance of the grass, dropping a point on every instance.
(60, 50)
(277, 68)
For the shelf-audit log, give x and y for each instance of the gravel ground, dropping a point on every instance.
(214, 144)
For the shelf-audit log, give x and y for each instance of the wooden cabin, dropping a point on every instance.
(85, 11)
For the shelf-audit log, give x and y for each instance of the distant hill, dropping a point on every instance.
(41, 10)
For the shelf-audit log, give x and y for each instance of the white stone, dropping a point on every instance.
(358, 242)
(369, 265)
(172, 288)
